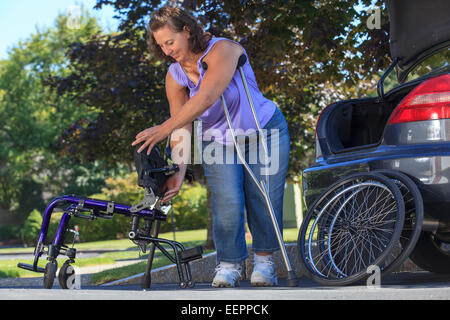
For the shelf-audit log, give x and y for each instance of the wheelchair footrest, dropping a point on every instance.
(30, 267)
(191, 254)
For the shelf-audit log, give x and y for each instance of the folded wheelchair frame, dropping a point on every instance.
(86, 208)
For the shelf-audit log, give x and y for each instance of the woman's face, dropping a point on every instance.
(173, 44)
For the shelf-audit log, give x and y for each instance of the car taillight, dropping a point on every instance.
(428, 101)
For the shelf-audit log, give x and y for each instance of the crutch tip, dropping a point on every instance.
(292, 280)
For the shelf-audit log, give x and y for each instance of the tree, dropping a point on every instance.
(32, 117)
(111, 73)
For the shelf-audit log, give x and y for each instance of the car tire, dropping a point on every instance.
(429, 255)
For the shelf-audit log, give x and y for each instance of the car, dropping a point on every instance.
(402, 134)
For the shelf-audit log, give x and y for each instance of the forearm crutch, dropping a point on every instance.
(262, 186)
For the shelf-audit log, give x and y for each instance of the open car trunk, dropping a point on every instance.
(359, 123)
(417, 28)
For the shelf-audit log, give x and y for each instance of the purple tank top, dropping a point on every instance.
(214, 124)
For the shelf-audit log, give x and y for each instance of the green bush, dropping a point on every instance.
(31, 228)
(121, 190)
(8, 232)
(189, 207)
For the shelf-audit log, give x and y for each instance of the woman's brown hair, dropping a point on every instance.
(177, 19)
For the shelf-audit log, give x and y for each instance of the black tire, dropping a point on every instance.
(429, 254)
(412, 226)
(66, 276)
(363, 235)
(50, 273)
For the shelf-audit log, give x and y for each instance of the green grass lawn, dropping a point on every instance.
(9, 269)
(126, 250)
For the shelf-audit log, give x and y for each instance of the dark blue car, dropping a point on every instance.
(379, 189)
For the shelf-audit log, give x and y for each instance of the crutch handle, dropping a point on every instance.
(242, 60)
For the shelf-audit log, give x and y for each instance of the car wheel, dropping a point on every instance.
(431, 254)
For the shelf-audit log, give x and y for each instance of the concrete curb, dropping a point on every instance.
(203, 269)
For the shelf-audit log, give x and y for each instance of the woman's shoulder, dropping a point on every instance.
(220, 43)
(174, 66)
(177, 74)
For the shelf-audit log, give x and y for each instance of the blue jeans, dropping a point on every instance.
(233, 192)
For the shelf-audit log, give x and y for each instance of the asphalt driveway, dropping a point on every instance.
(401, 286)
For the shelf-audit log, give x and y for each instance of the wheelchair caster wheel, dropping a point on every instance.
(66, 276)
(183, 285)
(191, 284)
(49, 274)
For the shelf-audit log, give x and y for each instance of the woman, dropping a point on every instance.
(206, 66)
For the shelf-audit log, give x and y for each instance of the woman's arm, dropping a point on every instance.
(180, 140)
(222, 62)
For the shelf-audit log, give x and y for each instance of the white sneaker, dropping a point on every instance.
(227, 275)
(264, 274)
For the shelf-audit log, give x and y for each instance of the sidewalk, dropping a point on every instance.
(203, 270)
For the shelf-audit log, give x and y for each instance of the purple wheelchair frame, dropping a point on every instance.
(91, 209)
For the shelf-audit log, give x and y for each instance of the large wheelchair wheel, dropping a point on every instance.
(352, 226)
(412, 225)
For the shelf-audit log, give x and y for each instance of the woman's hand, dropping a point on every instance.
(172, 186)
(151, 136)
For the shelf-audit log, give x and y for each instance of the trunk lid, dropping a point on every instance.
(416, 26)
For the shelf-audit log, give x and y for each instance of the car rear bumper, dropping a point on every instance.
(427, 165)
